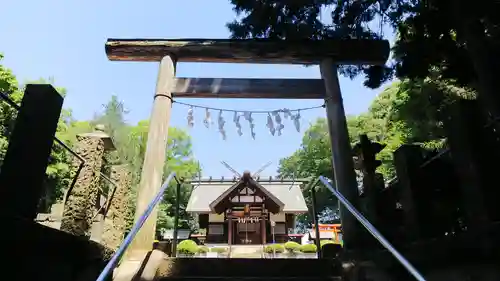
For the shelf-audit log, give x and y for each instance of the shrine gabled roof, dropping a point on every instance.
(288, 193)
(276, 204)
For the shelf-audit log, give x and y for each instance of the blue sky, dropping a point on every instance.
(65, 40)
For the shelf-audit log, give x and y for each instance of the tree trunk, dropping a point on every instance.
(484, 59)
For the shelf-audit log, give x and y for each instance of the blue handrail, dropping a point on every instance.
(373, 231)
(137, 226)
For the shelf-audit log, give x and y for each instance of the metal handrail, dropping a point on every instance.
(373, 231)
(137, 226)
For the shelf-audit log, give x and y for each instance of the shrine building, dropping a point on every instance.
(247, 210)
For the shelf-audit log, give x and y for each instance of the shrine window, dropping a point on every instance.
(216, 229)
(280, 228)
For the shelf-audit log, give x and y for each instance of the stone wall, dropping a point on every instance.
(115, 222)
(81, 204)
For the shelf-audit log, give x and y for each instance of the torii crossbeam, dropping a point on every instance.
(325, 53)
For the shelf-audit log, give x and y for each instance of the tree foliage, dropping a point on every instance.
(405, 112)
(130, 142)
(455, 38)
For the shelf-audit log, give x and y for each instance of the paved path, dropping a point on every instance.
(247, 251)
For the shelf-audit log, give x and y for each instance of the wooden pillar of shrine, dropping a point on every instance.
(230, 231)
(343, 166)
(263, 230)
(154, 158)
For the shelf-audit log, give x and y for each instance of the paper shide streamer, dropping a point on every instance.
(274, 120)
(270, 124)
(296, 120)
(221, 122)
(279, 124)
(190, 117)
(236, 120)
(249, 118)
(208, 119)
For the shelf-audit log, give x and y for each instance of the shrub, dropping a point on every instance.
(291, 246)
(187, 247)
(203, 249)
(274, 248)
(324, 242)
(218, 250)
(308, 248)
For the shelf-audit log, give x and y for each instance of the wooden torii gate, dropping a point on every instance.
(325, 53)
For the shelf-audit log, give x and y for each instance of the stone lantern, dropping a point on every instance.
(99, 133)
(83, 199)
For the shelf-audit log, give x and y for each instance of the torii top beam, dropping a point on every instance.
(305, 52)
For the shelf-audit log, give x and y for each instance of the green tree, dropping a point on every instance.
(130, 142)
(113, 119)
(405, 112)
(179, 159)
(9, 86)
(452, 41)
(448, 35)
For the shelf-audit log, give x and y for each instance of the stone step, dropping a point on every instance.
(249, 268)
(44, 253)
(224, 278)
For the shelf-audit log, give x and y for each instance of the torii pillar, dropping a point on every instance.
(343, 166)
(326, 53)
(154, 158)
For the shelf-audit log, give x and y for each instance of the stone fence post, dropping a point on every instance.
(82, 202)
(115, 221)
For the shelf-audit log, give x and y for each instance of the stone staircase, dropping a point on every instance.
(195, 269)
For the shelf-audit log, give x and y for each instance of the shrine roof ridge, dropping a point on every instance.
(258, 179)
(268, 51)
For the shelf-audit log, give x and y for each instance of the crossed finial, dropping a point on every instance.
(246, 174)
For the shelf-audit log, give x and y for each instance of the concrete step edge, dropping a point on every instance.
(312, 278)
